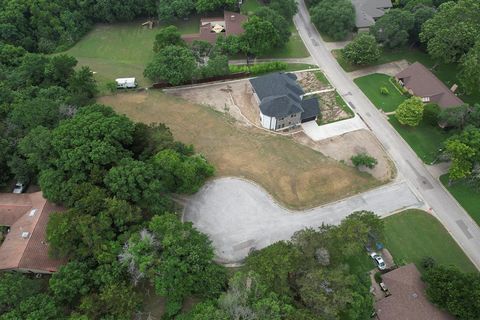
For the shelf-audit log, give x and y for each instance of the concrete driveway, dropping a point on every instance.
(391, 69)
(317, 133)
(239, 216)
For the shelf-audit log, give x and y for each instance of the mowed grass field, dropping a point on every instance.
(466, 195)
(371, 84)
(412, 235)
(295, 175)
(424, 139)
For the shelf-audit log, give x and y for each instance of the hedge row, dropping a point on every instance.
(259, 68)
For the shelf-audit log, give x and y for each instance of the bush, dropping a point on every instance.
(364, 159)
(261, 68)
(363, 50)
(384, 91)
(410, 112)
(428, 263)
(431, 113)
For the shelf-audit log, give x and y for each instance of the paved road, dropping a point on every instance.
(463, 229)
(239, 215)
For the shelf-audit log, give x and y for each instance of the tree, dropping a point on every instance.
(59, 70)
(212, 5)
(15, 288)
(259, 36)
(392, 29)
(410, 112)
(469, 75)
(39, 306)
(275, 264)
(204, 310)
(229, 45)
(327, 292)
(420, 15)
(70, 282)
(454, 291)
(167, 36)
(278, 22)
(364, 159)
(82, 87)
(335, 18)
(464, 151)
(286, 8)
(173, 64)
(217, 66)
(452, 32)
(362, 50)
(169, 9)
(138, 183)
(431, 113)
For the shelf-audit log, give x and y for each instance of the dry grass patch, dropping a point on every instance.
(296, 175)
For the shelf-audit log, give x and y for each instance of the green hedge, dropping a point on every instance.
(259, 68)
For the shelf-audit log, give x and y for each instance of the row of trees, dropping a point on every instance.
(176, 62)
(308, 277)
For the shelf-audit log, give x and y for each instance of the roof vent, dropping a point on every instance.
(25, 235)
(232, 17)
(32, 212)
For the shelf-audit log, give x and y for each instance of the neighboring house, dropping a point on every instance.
(281, 102)
(421, 82)
(24, 248)
(211, 28)
(368, 11)
(407, 299)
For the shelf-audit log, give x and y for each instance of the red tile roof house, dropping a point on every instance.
(211, 28)
(407, 300)
(24, 248)
(421, 82)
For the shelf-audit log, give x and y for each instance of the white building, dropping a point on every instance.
(126, 83)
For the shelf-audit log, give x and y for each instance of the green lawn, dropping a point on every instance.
(466, 195)
(250, 6)
(371, 84)
(445, 72)
(414, 234)
(293, 49)
(424, 139)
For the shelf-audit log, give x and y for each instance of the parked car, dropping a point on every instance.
(378, 260)
(20, 187)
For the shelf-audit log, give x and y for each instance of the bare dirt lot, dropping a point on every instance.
(343, 147)
(296, 175)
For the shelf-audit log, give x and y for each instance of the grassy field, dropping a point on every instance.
(297, 176)
(414, 234)
(371, 84)
(293, 49)
(445, 72)
(466, 195)
(424, 139)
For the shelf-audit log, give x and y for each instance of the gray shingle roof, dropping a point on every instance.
(366, 11)
(311, 108)
(279, 93)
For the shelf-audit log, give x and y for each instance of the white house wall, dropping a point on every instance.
(268, 122)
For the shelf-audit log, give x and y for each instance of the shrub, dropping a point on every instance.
(410, 112)
(384, 91)
(259, 68)
(364, 159)
(431, 113)
(363, 50)
(428, 263)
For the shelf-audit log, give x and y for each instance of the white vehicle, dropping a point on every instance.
(126, 83)
(378, 260)
(19, 187)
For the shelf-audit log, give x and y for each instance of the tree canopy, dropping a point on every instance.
(174, 64)
(410, 112)
(362, 50)
(335, 18)
(392, 29)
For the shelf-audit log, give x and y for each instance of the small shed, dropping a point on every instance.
(126, 83)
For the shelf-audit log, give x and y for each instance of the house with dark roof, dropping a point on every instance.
(24, 248)
(368, 11)
(281, 102)
(212, 28)
(421, 82)
(407, 299)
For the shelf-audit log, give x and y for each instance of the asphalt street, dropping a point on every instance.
(410, 168)
(238, 215)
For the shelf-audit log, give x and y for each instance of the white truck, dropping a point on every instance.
(126, 83)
